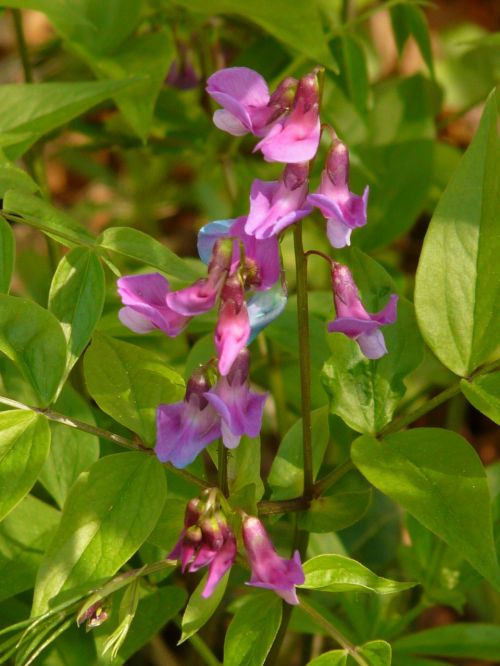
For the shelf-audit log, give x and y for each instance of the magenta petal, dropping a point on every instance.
(194, 300)
(231, 334)
(221, 563)
(352, 327)
(227, 122)
(389, 314)
(290, 141)
(135, 321)
(265, 253)
(240, 408)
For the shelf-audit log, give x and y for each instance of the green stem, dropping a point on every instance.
(134, 445)
(269, 507)
(304, 358)
(21, 43)
(222, 468)
(337, 636)
(332, 477)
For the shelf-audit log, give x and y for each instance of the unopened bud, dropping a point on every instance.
(240, 368)
(212, 533)
(295, 175)
(194, 509)
(337, 164)
(198, 384)
(233, 291)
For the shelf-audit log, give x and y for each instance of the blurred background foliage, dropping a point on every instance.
(405, 86)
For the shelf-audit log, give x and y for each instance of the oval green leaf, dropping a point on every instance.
(109, 513)
(437, 477)
(200, 610)
(129, 383)
(484, 393)
(24, 445)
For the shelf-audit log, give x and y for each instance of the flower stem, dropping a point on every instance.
(200, 647)
(222, 468)
(21, 43)
(304, 358)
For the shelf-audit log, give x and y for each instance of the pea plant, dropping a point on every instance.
(247, 345)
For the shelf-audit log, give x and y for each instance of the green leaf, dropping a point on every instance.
(345, 503)
(458, 277)
(141, 247)
(76, 298)
(129, 383)
(244, 467)
(331, 658)
(32, 109)
(7, 254)
(375, 653)
(71, 451)
(199, 610)
(408, 19)
(286, 477)
(169, 526)
(336, 573)
(252, 631)
(484, 393)
(365, 393)
(353, 74)
(269, 16)
(32, 338)
(153, 613)
(14, 178)
(110, 511)
(437, 477)
(24, 445)
(24, 535)
(42, 215)
(465, 641)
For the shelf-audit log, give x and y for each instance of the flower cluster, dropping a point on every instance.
(244, 274)
(208, 540)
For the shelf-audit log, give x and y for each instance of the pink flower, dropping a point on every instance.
(353, 320)
(144, 298)
(233, 327)
(295, 137)
(276, 205)
(269, 570)
(343, 210)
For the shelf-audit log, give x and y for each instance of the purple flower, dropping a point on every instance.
(240, 408)
(353, 320)
(295, 136)
(247, 106)
(343, 210)
(208, 541)
(276, 205)
(269, 570)
(233, 327)
(144, 298)
(185, 428)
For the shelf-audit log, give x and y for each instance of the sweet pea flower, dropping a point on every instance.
(146, 308)
(247, 105)
(277, 204)
(233, 327)
(353, 320)
(185, 428)
(343, 210)
(269, 570)
(240, 408)
(208, 541)
(295, 136)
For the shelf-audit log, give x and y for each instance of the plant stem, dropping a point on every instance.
(304, 358)
(332, 477)
(134, 445)
(222, 468)
(337, 636)
(269, 507)
(21, 43)
(200, 646)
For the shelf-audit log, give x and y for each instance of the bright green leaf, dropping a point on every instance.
(109, 513)
(437, 477)
(331, 658)
(484, 393)
(252, 631)
(141, 247)
(473, 641)
(76, 298)
(375, 653)
(200, 610)
(336, 573)
(24, 445)
(458, 277)
(129, 383)
(353, 73)
(32, 338)
(7, 254)
(14, 178)
(244, 467)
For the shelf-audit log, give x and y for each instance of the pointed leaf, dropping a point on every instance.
(484, 393)
(200, 610)
(7, 254)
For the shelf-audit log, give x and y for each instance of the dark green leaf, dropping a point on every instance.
(7, 254)
(24, 445)
(141, 247)
(24, 535)
(458, 278)
(336, 573)
(437, 477)
(484, 393)
(76, 298)
(473, 640)
(408, 19)
(32, 338)
(109, 513)
(129, 383)
(252, 631)
(353, 73)
(200, 610)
